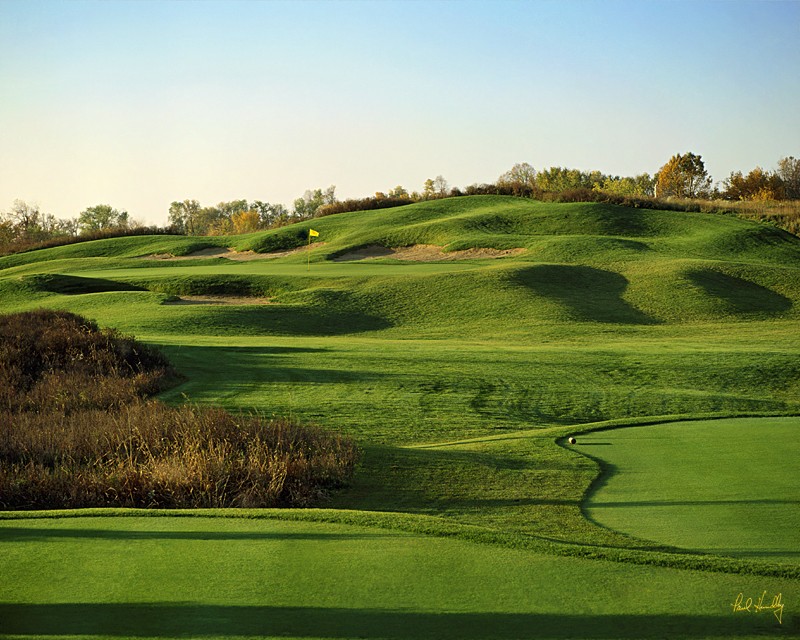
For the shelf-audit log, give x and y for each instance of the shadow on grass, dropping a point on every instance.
(589, 294)
(412, 480)
(76, 285)
(241, 367)
(282, 320)
(34, 534)
(174, 620)
(740, 296)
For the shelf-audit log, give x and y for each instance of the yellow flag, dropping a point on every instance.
(312, 233)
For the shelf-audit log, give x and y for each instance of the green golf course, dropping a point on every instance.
(666, 342)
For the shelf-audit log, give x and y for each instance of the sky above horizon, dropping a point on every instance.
(137, 104)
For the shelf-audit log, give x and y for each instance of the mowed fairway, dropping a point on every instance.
(723, 486)
(458, 379)
(237, 577)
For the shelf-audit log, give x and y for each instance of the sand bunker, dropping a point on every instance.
(231, 254)
(425, 253)
(217, 300)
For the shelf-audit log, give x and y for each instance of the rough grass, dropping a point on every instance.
(75, 432)
(151, 455)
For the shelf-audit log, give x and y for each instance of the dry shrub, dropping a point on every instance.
(55, 359)
(146, 454)
(76, 431)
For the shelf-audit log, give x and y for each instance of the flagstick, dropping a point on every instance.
(308, 251)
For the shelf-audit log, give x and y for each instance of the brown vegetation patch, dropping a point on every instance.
(146, 454)
(425, 253)
(76, 431)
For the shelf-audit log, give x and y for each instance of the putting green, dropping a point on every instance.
(145, 577)
(719, 486)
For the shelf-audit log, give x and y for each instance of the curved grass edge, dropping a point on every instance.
(606, 470)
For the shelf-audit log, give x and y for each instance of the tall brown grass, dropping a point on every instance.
(76, 430)
(145, 454)
(784, 214)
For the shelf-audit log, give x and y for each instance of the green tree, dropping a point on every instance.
(102, 216)
(559, 179)
(184, 216)
(521, 174)
(428, 189)
(756, 185)
(271, 215)
(26, 217)
(683, 176)
(641, 185)
(306, 207)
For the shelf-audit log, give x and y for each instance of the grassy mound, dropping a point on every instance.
(609, 313)
(76, 431)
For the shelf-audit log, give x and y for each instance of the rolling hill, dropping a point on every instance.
(460, 378)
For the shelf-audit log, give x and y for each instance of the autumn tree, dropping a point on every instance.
(434, 188)
(756, 185)
(399, 192)
(683, 176)
(7, 233)
(246, 221)
(789, 173)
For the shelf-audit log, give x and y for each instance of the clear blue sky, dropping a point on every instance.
(136, 104)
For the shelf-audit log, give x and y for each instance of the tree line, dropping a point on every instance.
(684, 176)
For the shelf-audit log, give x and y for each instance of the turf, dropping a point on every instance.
(736, 492)
(459, 379)
(225, 577)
